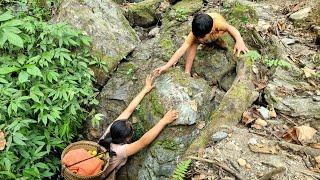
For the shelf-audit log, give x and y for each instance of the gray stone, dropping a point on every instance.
(154, 32)
(253, 141)
(264, 112)
(301, 14)
(288, 41)
(218, 136)
(316, 98)
(280, 92)
(112, 37)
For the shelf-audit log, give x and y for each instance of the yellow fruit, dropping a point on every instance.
(94, 152)
(101, 156)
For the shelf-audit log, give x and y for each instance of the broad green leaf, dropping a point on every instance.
(7, 70)
(3, 39)
(6, 16)
(34, 70)
(23, 76)
(14, 39)
(13, 22)
(2, 80)
(34, 97)
(18, 141)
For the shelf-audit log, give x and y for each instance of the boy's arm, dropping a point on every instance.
(177, 55)
(149, 136)
(135, 102)
(240, 45)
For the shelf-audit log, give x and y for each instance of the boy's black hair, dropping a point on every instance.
(201, 25)
(119, 133)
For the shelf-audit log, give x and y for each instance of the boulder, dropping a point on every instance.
(144, 13)
(112, 36)
(301, 14)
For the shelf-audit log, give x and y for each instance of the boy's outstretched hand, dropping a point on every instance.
(159, 70)
(240, 47)
(170, 116)
(149, 83)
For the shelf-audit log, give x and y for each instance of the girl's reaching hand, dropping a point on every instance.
(170, 116)
(149, 83)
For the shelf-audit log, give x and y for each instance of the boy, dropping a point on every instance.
(206, 29)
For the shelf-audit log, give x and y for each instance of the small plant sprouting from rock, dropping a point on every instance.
(181, 170)
(254, 56)
(168, 144)
(95, 121)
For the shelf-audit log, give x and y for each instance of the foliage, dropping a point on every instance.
(95, 121)
(181, 169)
(168, 144)
(39, 9)
(181, 14)
(254, 56)
(45, 89)
(239, 15)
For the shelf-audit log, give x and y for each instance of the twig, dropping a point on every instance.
(273, 134)
(272, 173)
(300, 149)
(310, 173)
(219, 165)
(288, 119)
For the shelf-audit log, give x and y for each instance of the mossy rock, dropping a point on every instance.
(112, 36)
(144, 14)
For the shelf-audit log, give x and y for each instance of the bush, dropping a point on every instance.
(45, 89)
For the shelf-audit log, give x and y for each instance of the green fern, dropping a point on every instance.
(181, 169)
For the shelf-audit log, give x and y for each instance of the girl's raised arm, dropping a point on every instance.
(149, 136)
(135, 102)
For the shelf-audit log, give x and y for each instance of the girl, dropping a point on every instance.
(117, 137)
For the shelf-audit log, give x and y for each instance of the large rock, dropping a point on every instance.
(287, 93)
(112, 36)
(301, 14)
(144, 13)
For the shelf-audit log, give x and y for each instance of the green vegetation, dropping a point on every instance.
(181, 14)
(239, 15)
(46, 89)
(168, 144)
(254, 56)
(181, 169)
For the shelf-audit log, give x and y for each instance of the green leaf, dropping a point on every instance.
(34, 97)
(6, 16)
(23, 76)
(13, 22)
(7, 70)
(18, 141)
(34, 70)
(42, 165)
(3, 81)
(3, 39)
(14, 39)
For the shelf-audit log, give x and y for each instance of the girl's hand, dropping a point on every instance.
(149, 83)
(170, 116)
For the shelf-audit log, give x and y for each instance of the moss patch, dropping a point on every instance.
(168, 143)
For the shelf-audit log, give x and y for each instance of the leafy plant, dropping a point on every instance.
(181, 169)
(254, 56)
(181, 14)
(276, 62)
(95, 121)
(45, 92)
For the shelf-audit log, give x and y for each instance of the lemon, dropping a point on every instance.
(94, 152)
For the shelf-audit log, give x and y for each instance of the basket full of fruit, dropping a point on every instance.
(84, 160)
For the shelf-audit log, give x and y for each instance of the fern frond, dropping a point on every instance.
(181, 169)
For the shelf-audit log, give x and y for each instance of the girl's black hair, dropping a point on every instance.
(119, 133)
(201, 25)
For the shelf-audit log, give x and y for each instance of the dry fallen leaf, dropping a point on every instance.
(2, 141)
(300, 133)
(201, 125)
(256, 126)
(317, 159)
(261, 122)
(315, 145)
(272, 113)
(308, 72)
(263, 148)
(247, 117)
(305, 133)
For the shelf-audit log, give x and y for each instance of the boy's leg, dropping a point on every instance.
(190, 55)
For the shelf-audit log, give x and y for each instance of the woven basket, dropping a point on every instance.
(87, 145)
